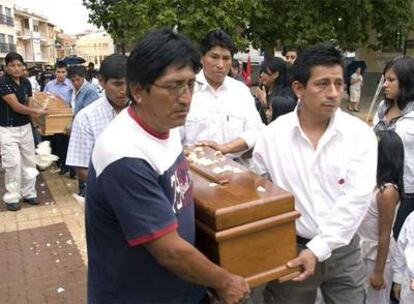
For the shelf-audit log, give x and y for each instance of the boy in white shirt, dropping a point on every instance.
(403, 263)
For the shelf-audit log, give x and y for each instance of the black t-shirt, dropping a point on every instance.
(9, 118)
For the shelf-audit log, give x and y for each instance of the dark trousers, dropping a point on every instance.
(60, 143)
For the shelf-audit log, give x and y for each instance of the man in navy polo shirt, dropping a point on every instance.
(139, 203)
(17, 145)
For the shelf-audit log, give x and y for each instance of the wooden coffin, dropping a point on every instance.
(59, 114)
(244, 223)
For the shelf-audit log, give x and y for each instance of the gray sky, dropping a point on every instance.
(69, 15)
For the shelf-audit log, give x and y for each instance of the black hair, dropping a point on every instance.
(158, 50)
(60, 65)
(91, 65)
(317, 55)
(13, 56)
(276, 64)
(390, 167)
(76, 70)
(113, 67)
(217, 38)
(403, 67)
(287, 49)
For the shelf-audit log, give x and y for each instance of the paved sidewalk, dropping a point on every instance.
(43, 250)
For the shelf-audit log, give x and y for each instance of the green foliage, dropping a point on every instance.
(265, 23)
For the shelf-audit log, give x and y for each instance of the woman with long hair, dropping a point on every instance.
(375, 232)
(275, 97)
(396, 112)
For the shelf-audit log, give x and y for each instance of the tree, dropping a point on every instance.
(343, 22)
(127, 20)
(265, 23)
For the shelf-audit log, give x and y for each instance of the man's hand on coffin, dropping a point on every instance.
(40, 111)
(235, 290)
(223, 148)
(307, 261)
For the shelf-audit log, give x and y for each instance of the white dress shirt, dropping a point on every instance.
(403, 260)
(332, 185)
(222, 115)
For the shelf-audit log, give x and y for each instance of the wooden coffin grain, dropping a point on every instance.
(244, 223)
(59, 114)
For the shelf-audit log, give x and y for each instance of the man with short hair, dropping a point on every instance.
(17, 146)
(139, 207)
(60, 86)
(92, 120)
(223, 115)
(82, 92)
(327, 159)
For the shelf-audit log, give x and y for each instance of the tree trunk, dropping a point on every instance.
(269, 52)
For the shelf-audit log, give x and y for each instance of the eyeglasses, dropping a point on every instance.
(179, 89)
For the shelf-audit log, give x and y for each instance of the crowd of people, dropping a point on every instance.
(353, 184)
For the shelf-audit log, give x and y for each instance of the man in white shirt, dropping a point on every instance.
(327, 159)
(223, 114)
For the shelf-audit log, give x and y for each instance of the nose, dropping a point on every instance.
(334, 91)
(185, 96)
(220, 63)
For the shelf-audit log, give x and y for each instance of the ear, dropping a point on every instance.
(298, 88)
(275, 75)
(136, 92)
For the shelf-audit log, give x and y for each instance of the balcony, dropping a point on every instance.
(7, 47)
(6, 20)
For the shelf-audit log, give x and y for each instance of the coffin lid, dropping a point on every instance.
(229, 199)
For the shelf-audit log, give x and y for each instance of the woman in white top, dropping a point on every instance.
(396, 113)
(376, 229)
(355, 90)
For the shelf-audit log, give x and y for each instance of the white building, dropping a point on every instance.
(95, 47)
(7, 32)
(36, 37)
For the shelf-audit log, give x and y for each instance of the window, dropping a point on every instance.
(35, 27)
(2, 38)
(10, 39)
(8, 12)
(1, 9)
(25, 23)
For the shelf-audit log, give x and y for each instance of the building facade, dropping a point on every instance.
(7, 32)
(36, 37)
(95, 47)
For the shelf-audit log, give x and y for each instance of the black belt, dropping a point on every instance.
(11, 124)
(302, 240)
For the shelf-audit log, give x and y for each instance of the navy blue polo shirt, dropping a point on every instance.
(9, 118)
(139, 189)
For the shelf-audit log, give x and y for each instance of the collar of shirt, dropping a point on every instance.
(108, 107)
(384, 124)
(207, 87)
(81, 88)
(63, 83)
(9, 79)
(336, 126)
